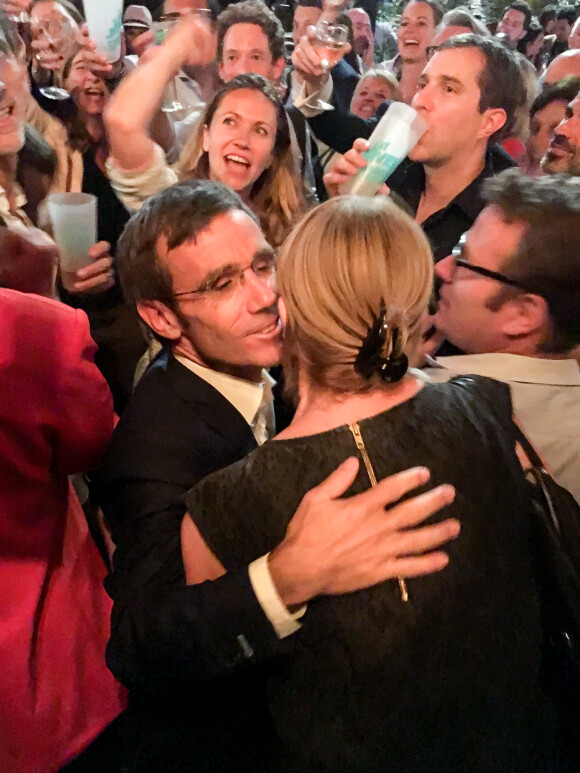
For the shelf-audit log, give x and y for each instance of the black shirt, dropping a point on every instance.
(445, 227)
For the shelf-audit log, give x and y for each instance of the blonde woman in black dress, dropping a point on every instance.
(439, 673)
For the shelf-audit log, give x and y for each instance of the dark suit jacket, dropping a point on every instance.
(344, 80)
(176, 430)
(171, 644)
(340, 128)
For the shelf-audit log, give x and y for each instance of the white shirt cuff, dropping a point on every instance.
(284, 622)
(313, 103)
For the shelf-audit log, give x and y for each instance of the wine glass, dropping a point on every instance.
(161, 29)
(60, 36)
(330, 42)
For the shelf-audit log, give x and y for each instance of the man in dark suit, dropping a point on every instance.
(195, 263)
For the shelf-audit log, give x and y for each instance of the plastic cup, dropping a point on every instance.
(394, 136)
(104, 20)
(74, 227)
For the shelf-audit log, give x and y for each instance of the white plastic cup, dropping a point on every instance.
(74, 227)
(104, 20)
(394, 136)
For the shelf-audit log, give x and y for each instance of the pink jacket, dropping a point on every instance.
(56, 418)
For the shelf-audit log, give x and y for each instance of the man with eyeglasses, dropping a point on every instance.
(194, 262)
(510, 299)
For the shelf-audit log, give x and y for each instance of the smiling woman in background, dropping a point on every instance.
(373, 88)
(114, 327)
(82, 148)
(243, 141)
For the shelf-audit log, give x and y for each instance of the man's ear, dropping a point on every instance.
(160, 319)
(279, 66)
(525, 315)
(493, 119)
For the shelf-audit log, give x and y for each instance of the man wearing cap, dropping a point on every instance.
(136, 20)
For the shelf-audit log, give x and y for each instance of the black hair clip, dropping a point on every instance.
(371, 355)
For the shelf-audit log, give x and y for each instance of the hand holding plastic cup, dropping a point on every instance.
(394, 136)
(104, 20)
(74, 225)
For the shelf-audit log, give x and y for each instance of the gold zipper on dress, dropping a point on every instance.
(360, 444)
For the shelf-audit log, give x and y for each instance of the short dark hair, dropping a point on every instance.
(522, 7)
(435, 7)
(561, 91)
(567, 12)
(548, 14)
(501, 83)
(462, 17)
(251, 12)
(309, 4)
(534, 31)
(178, 214)
(546, 261)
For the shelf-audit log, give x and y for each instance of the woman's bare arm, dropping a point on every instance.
(199, 562)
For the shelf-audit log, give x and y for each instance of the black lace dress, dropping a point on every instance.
(448, 681)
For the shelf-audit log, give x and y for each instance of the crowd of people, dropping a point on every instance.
(264, 507)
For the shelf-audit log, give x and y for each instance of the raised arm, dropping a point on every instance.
(135, 102)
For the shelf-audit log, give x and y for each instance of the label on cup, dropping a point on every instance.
(113, 36)
(380, 163)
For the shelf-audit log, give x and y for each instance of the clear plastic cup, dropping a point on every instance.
(74, 227)
(394, 136)
(104, 20)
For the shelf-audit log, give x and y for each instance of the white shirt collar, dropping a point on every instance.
(245, 396)
(512, 367)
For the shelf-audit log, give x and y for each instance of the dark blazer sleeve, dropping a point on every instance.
(164, 634)
(345, 79)
(339, 129)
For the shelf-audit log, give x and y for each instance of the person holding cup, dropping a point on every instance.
(465, 116)
(86, 286)
(56, 694)
(93, 286)
(55, 37)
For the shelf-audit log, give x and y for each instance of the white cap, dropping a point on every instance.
(137, 16)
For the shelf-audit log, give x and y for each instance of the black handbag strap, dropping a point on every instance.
(542, 478)
(530, 451)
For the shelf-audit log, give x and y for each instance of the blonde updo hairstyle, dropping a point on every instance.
(343, 262)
